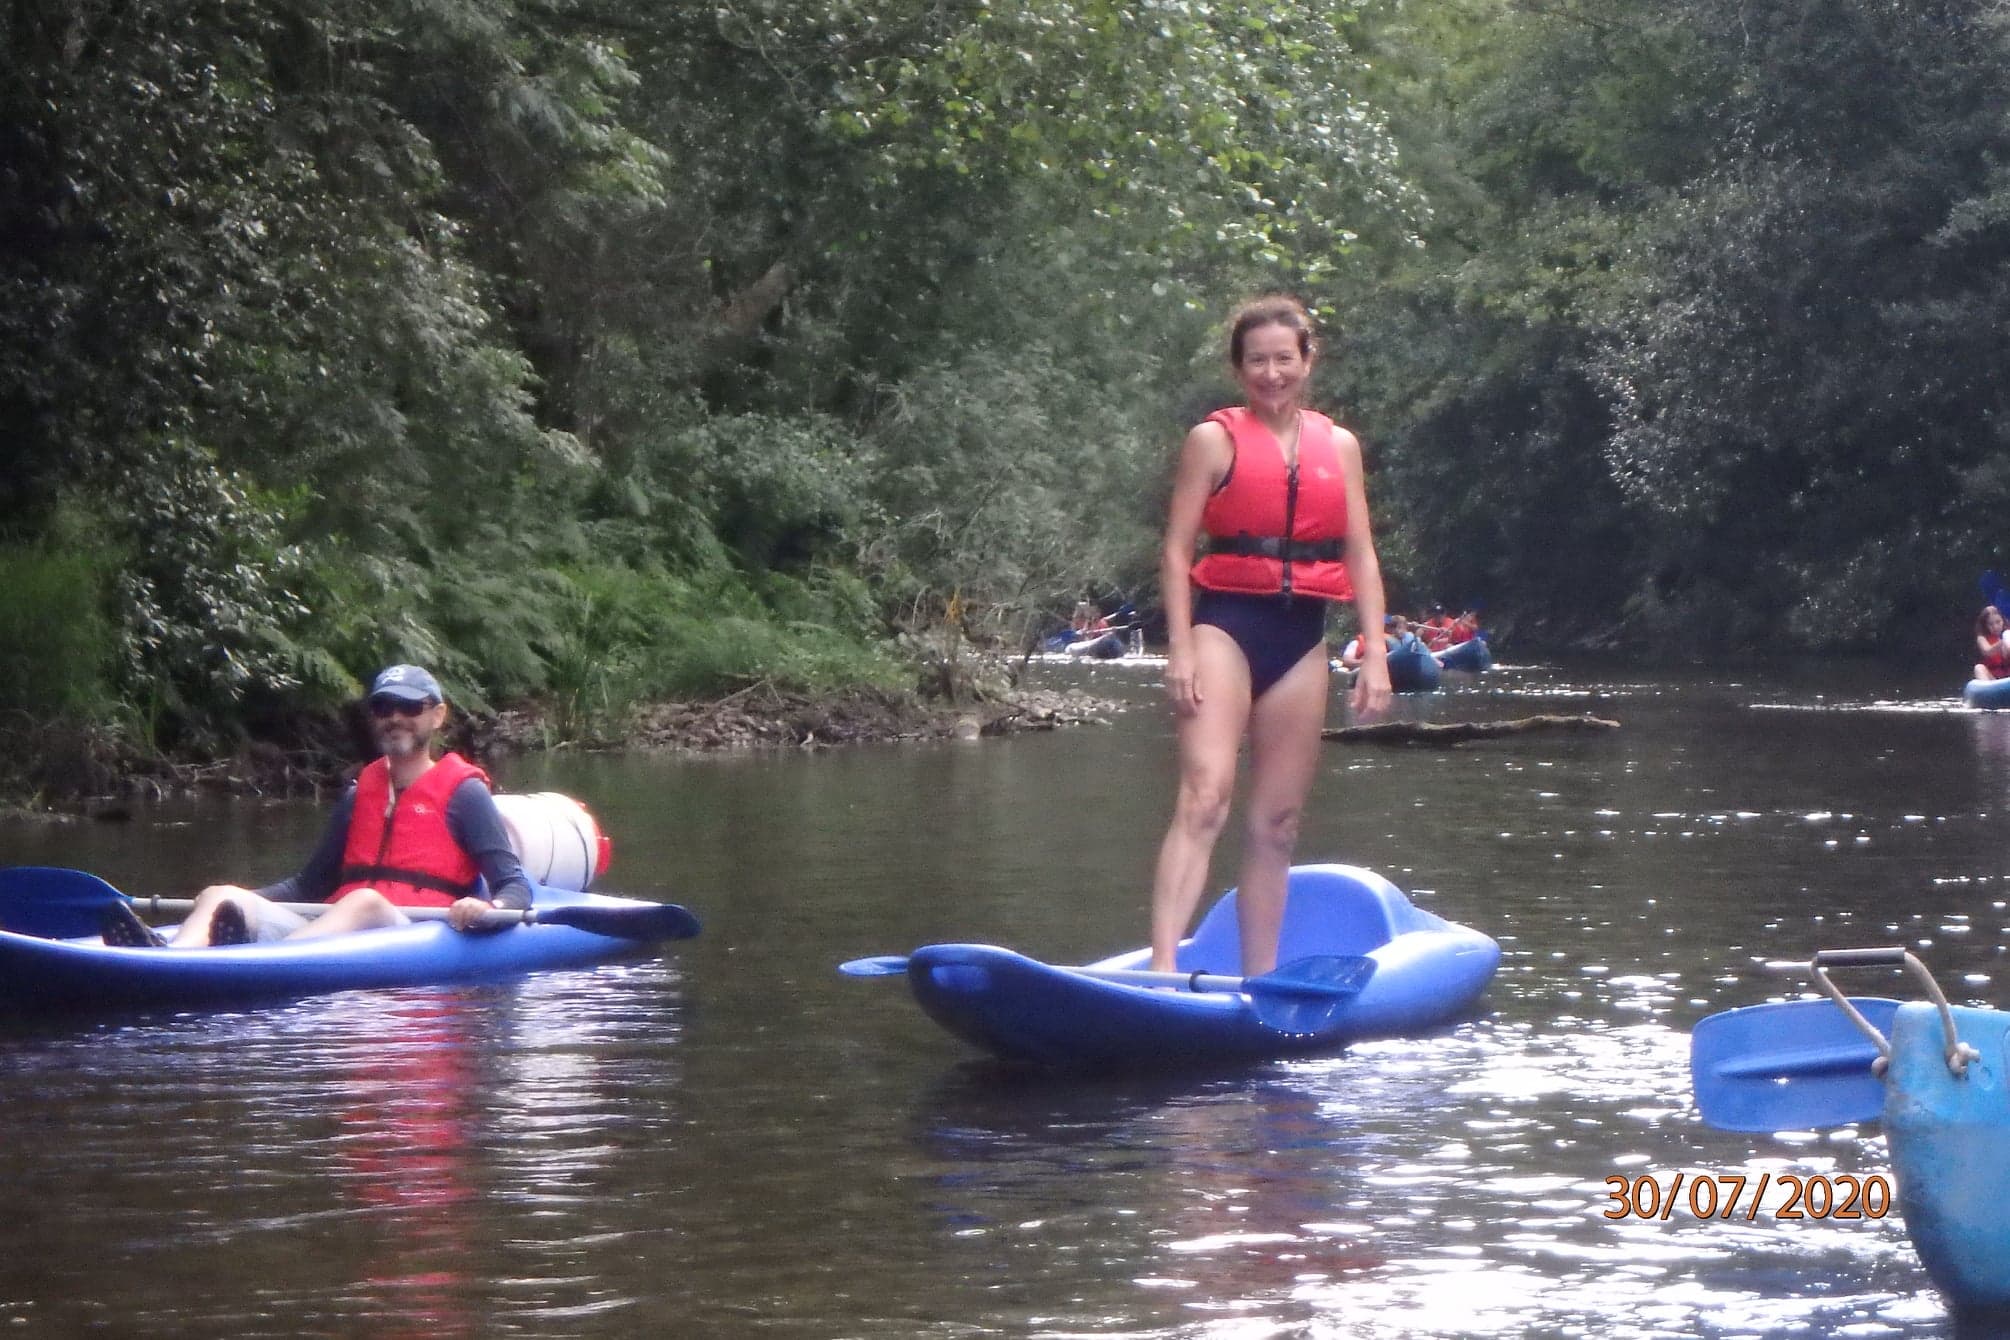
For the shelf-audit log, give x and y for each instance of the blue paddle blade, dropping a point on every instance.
(1788, 1067)
(637, 921)
(1993, 591)
(1308, 994)
(53, 903)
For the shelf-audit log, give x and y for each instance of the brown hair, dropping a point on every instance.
(1272, 309)
(1982, 621)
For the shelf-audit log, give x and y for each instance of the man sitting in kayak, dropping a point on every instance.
(412, 830)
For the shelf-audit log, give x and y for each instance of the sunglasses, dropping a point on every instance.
(402, 707)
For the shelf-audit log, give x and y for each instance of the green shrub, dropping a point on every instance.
(57, 642)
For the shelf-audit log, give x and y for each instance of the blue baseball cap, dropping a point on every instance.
(408, 682)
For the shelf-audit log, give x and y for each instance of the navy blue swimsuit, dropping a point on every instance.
(1274, 632)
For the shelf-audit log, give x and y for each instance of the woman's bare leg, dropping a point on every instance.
(1209, 741)
(1284, 748)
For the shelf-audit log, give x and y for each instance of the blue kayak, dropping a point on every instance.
(1949, 1136)
(39, 973)
(1412, 668)
(1472, 654)
(1943, 1094)
(1421, 971)
(1987, 693)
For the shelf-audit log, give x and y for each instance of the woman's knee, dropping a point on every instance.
(1204, 802)
(1275, 827)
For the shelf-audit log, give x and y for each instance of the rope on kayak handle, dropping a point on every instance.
(1958, 1053)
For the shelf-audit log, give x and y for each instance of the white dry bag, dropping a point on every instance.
(560, 845)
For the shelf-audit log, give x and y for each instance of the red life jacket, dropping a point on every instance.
(1264, 501)
(1996, 661)
(407, 854)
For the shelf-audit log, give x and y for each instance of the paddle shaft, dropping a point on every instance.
(54, 903)
(510, 916)
(1184, 981)
(641, 921)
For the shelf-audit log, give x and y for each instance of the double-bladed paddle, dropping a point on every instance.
(56, 903)
(1296, 998)
(1788, 1067)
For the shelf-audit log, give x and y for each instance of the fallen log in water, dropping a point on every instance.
(1445, 735)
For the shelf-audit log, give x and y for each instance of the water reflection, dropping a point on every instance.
(368, 1161)
(1991, 733)
(404, 1117)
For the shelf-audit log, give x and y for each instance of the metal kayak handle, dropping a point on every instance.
(1958, 1053)
(1891, 956)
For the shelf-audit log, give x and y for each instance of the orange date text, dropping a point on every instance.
(1718, 1196)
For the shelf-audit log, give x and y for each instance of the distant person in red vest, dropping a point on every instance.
(1277, 490)
(412, 831)
(1436, 630)
(1464, 628)
(1995, 662)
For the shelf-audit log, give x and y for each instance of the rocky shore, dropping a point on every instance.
(70, 772)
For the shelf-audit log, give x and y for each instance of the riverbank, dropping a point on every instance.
(64, 770)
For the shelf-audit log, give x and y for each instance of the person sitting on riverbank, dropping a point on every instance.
(412, 831)
(1990, 646)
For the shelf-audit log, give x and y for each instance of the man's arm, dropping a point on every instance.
(477, 825)
(322, 873)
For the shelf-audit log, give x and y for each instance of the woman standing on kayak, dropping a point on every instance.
(1277, 489)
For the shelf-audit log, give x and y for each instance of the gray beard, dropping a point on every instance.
(404, 746)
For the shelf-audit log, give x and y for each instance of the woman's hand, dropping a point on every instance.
(1371, 689)
(1182, 682)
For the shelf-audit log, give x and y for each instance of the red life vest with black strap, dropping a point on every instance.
(405, 851)
(1276, 529)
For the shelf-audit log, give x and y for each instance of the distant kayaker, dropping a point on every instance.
(1436, 630)
(1087, 620)
(1989, 645)
(1277, 489)
(412, 830)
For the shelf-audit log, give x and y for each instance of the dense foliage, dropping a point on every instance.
(596, 352)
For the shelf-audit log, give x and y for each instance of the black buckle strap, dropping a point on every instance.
(1276, 546)
(418, 879)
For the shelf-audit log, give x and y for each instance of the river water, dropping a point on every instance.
(731, 1139)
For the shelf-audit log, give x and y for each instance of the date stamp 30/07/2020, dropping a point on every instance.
(1720, 1196)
